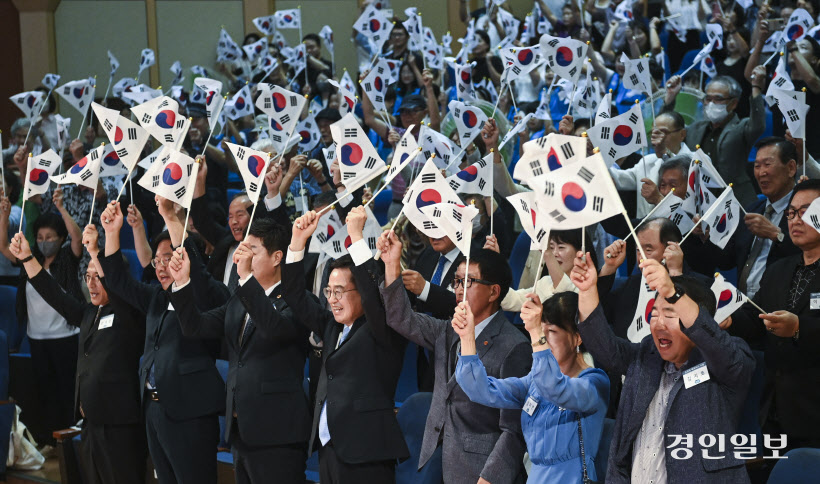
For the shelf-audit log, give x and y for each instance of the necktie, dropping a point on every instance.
(754, 253)
(439, 271)
(233, 280)
(454, 358)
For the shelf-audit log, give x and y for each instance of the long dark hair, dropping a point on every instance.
(562, 310)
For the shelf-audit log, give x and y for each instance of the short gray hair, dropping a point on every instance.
(262, 144)
(678, 162)
(734, 87)
(20, 123)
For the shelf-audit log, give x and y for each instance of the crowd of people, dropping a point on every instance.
(529, 355)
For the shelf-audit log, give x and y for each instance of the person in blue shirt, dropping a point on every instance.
(559, 390)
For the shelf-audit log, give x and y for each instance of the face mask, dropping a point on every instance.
(477, 223)
(473, 157)
(49, 247)
(715, 112)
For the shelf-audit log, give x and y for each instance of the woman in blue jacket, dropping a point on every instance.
(559, 390)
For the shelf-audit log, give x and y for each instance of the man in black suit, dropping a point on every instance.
(106, 389)
(362, 359)
(790, 333)
(182, 392)
(267, 421)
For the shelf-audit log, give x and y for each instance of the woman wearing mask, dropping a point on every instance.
(53, 341)
(564, 401)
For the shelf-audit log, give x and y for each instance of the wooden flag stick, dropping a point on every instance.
(492, 189)
(649, 215)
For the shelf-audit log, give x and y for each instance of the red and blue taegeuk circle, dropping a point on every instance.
(78, 167)
(378, 84)
(255, 165)
(564, 56)
(279, 102)
(573, 196)
(795, 32)
(351, 154)
(553, 162)
(622, 135)
(30, 100)
(468, 174)
(427, 197)
(348, 242)
(274, 125)
(78, 92)
(647, 314)
(330, 231)
(374, 25)
(469, 118)
(111, 159)
(725, 298)
(117, 135)
(525, 57)
(465, 76)
(172, 174)
(209, 97)
(239, 102)
(305, 135)
(38, 176)
(166, 118)
(721, 225)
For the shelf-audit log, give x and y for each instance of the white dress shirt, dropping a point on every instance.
(759, 267)
(450, 257)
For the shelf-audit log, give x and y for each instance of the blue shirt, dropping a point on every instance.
(551, 432)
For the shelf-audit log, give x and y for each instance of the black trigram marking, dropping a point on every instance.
(428, 178)
(573, 71)
(267, 103)
(122, 152)
(567, 150)
(240, 153)
(598, 204)
(640, 67)
(454, 185)
(146, 118)
(524, 206)
(349, 133)
(706, 178)
(638, 137)
(738, 297)
(633, 118)
(792, 114)
(436, 213)
(163, 104)
(481, 184)
(169, 138)
(155, 181)
(815, 221)
(379, 98)
(639, 322)
(368, 87)
(94, 155)
(780, 81)
(535, 166)
(585, 174)
(549, 188)
(557, 216)
(284, 119)
(132, 133)
(459, 236)
(457, 215)
(428, 225)
(612, 152)
(516, 70)
(253, 187)
(540, 235)
(44, 162)
(337, 246)
(66, 91)
(107, 125)
(277, 138)
(371, 242)
(542, 141)
(676, 218)
(293, 100)
(348, 176)
(482, 163)
(180, 192)
(634, 79)
(605, 132)
(180, 123)
(553, 42)
(86, 175)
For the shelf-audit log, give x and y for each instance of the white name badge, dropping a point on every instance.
(106, 322)
(814, 303)
(695, 375)
(530, 405)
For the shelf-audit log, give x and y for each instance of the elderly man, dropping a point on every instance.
(662, 424)
(668, 135)
(790, 290)
(723, 136)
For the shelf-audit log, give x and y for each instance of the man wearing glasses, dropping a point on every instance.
(723, 136)
(479, 444)
(359, 436)
(790, 332)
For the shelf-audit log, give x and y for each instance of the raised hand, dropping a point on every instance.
(583, 273)
(463, 321)
(413, 281)
(393, 138)
(303, 228)
(165, 207)
(273, 179)
(566, 125)
(5, 209)
(389, 246)
(492, 244)
(134, 217)
(57, 199)
(355, 221)
(112, 218)
(19, 246)
(91, 239)
(673, 255)
(657, 277)
(489, 133)
(243, 258)
(180, 266)
(650, 192)
(531, 315)
(614, 256)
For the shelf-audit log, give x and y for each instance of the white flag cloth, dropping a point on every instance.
(781, 81)
(375, 84)
(78, 93)
(564, 56)
(604, 108)
(812, 215)
(532, 222)
(160, 117)
(509, 23)
(776, 41)
(619, 136)
(359, 162)
(266, 64)
(146, 162)
(279, 41)
(814, 32)
(29, 102)
(241, 104)
(728, 297)
(347, 82)
(702, 54)
(636, 74)
(547, 154)
(544, 24)
(126, 137)
(469, 121)
(253, 165)
(455, 220)
(374, 25)
(283, 108)
(147, 59)
(714, 32)
(256, 49)
(520, 62)
(348, 101)
(85, 172)
(141, 93)
(337, 245)
(623, 12)
(428, 188)
(50, 81)
(464, 79)
(639, 328)
(587, 96)
(406, 152)
(266, 24)
(113, 64)
(111, 164)
(474, 178)
(172, 176)
(62, 131)
(446, 41)
(213, 98)
(795, 113)
(671, 207)
(38, 175)
(799, 25)
(435, 143)
(707, 66)
(434, 56)
(326, 228)
(326, 34)
(177, 71)
(529, 30)
(723, 217)
(308, 132)
(520, 126)
(288, 19)
(579, 195)
(122, 86)
(415, 28)
(542, 112)
(226, 50)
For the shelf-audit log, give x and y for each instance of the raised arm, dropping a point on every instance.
(370, 119)
(5, 215)
(432, 101)
(194, 324)
(757, 116)
(310, 312)
(200, 213)
(73, 229)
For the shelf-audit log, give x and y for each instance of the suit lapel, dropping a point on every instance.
(483, 343)
(729, 126)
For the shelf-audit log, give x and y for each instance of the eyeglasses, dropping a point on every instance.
(89, 278)
(458, 282)
(664, 131)
(156, 261)
(337, 293)
(716, 99)
(792, 213)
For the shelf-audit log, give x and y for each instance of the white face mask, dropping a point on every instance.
(715, 112)
(477, 223)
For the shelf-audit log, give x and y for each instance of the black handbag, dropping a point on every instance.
(587, 480)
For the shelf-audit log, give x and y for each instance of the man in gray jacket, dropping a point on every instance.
(685, 383)
(480, 444)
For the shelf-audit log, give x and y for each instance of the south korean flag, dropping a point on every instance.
(326, 228)
(359, 162)
(799, 25)
(141, 93)
(520, 126)
(337, 245)
(213, 98)
(172, 176)
(549, 153)
(266, 25)
(542, 112)
(375, 84)
(111, 165)
(147, 59)
(176, 70)
(146, 162)
(714, 32)
(519, 62)
(50, 81)
(348, 101)
(226, 50)
(428, 188)
(257, 49)
(29, 103)
(534, 224)
(288, 19)
(308, 133)
(406, 152)
(113, 64)
(464, 79)
(283, 108)
(729, 298)
(723, 218)
(812, 215)
(161, 118)
(85, 172)
(475, 178)
(40, 170)
(241, 104)
(639, 328)
(636, 74)
(374, 25)
(126, 137)
(564, 56)
(123, 86)
(438, 147)
(780, 84)
(672, 207)
(619, 136)
(469, 121)
(253, 165)
(456, 220)
(79, 94)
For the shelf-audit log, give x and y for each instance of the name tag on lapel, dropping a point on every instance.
(530, 405)
(695, 375)
(106, 322)
(814, 303)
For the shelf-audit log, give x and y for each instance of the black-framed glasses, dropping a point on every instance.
(337, 293)
(791, 213)
(156, 261)
(88, 278)
(664, 131)
(458, 282)
(716, 99)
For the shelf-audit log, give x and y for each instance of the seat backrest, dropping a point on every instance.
(801, 465)
(8, 315)
(518, 256)
(412, 417)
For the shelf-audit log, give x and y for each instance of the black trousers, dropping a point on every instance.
(333, 471)
(55, 367)
(284, 464)
(113, 454)
(183, 451)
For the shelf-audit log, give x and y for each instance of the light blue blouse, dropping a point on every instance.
(551, 432)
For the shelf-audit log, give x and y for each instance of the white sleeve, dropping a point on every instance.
(292, 256)
(246, 279)
(175, 288)
(273, 203)
(359, 252)
(424, 292)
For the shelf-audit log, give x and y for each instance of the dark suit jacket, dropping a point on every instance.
(358, 380)
(712, 407)
(265, 373)
(106, 383)
(792, 367)
(188, 382)
(441, 302)
(478, 441)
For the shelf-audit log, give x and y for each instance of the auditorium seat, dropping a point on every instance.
(134, 265)
(518, 257)
(412, 417)
(603, 450)
(408, 379)
(801, 465)
(8, 316)
(381, 205)
(232, 192)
